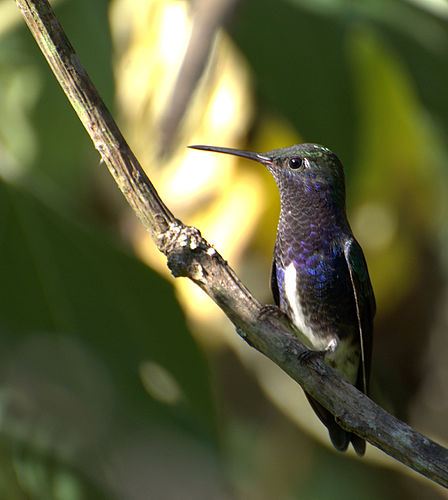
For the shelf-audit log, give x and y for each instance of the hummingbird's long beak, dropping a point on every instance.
(265, 160)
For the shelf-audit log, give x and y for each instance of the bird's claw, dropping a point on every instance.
(308, 355)
(271, 310)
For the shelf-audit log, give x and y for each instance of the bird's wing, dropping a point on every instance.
(365, 306)
(274, 283)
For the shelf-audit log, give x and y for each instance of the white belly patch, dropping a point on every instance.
(313, 341)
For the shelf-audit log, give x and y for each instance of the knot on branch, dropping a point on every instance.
(186, 250)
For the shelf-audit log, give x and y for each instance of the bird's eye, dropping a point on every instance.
(295, 162)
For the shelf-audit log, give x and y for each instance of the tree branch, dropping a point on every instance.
(189, 255)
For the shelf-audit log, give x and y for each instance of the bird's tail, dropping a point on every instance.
(339, 437)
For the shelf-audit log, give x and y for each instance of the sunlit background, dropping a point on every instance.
(116, 382)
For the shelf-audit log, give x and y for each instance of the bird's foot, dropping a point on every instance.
(308, 355)
(271, 310)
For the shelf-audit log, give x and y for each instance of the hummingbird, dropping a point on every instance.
(319, 276)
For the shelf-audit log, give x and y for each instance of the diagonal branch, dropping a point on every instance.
(189, 255)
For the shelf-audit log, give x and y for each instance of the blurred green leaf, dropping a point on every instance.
(297, 50)
(37, 124)
(79, 319)
(300, 69)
